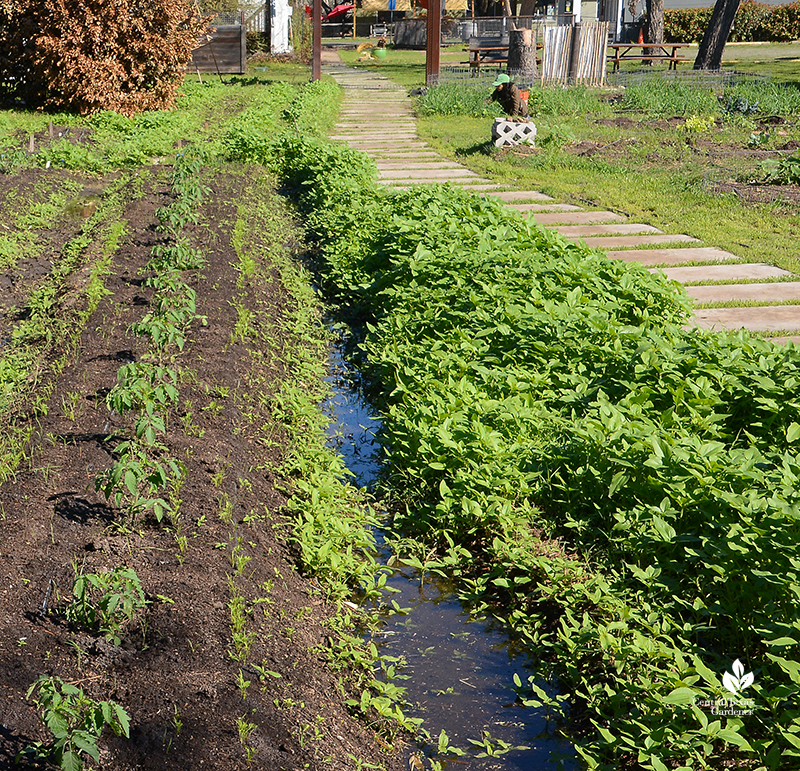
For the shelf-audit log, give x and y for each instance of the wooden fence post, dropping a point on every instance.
(434, 41)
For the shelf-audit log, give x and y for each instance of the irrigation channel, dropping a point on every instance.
(460, 669)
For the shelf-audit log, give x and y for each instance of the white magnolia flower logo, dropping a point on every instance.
(737, 681)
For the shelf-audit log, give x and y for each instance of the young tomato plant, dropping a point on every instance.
(104, 602)
(75, 721)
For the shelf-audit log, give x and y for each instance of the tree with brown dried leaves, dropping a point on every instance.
(92, 55)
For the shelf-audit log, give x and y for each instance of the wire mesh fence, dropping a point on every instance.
(479, 77)
(698, 78)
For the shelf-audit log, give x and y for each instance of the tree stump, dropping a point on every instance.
(522, 55)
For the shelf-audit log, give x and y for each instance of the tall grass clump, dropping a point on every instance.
(572, 101)
(458, 99)
(621, 490)
(670, 97)
(771, 98)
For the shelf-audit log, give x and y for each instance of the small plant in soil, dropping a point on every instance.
(105, 602)
(75, 721)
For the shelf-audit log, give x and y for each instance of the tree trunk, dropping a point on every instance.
(654, 26)
(508, 12)
(709, 57)
(522, 54)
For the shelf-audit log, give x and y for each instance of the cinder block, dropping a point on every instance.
(512, 132)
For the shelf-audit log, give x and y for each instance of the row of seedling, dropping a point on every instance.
(146, 390)
(143, 473)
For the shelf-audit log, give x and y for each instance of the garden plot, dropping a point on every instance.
(217, 661)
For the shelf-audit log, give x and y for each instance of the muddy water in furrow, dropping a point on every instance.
(460, 669)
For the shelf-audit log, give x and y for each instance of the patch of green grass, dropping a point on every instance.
(407, 68)
(658, 177)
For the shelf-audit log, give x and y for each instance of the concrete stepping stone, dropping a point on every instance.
(435, 174)
(463, 184)
(779, 291)
(543, 207)
(387, 144)
(469, 188)
(766, 318)
(522, 195)
(366, 138)
(785, 340)
(578, 218)
(416, 165)
(357, 131)
(754, 270)
(622, 229)
(618, 242)
(672, 256)
(389, 155)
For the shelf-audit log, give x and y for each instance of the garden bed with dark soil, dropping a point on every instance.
(194, 700)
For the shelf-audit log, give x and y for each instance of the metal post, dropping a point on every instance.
(316, 41)
(434, 30)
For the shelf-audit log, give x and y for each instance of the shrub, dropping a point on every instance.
(686, 25)
(750, 22)
(784, 23)
(754, 21)
(89, 55)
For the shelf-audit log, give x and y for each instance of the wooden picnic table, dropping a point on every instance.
(488, 54)
(651, 52)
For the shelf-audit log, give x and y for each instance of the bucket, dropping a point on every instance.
(379, 53)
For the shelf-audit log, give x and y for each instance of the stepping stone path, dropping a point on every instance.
(377, 118)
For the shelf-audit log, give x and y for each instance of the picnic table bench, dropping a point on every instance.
(651, 52)
(490, 51)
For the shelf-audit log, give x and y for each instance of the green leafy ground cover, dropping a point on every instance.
(620, 491)
(673, 155)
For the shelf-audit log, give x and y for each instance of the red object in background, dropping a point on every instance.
(334, 13)
(338, 11)
(424, 4)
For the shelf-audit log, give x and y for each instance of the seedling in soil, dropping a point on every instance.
(75, 721)
(136, 479)
(105, 602)
(177, 723)
(242, 684)
(225, 508)
(70, 404)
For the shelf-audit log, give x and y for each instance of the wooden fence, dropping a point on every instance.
(224, 51)
(575, 54)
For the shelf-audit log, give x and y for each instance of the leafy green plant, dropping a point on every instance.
(697, 124)
(603, 471)
(785, 171)
(138, 477)
(75, 721)
(105, 602)
(458, 99)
